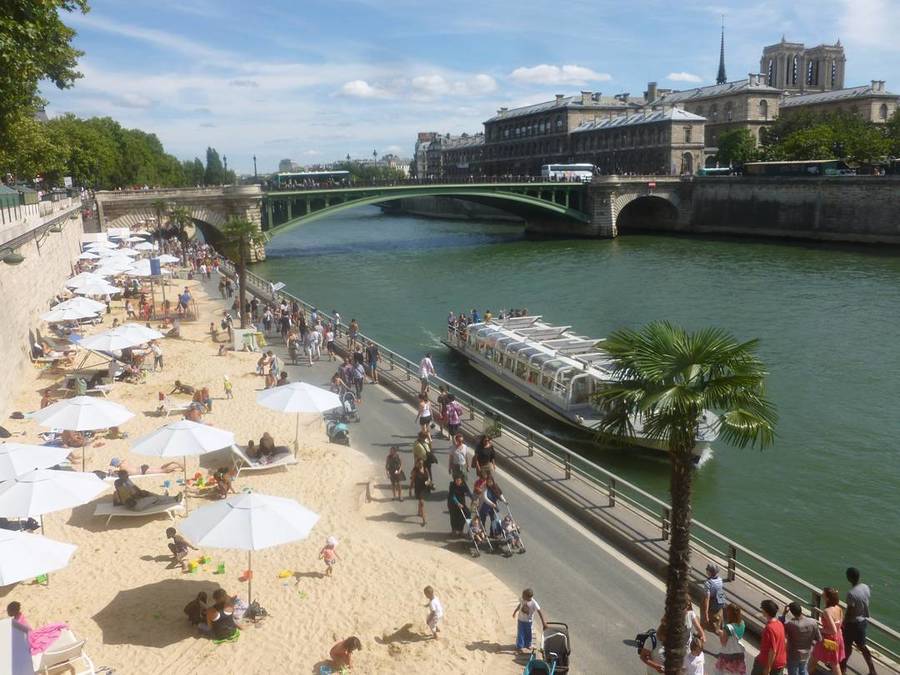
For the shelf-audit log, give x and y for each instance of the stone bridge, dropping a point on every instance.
(209, 207)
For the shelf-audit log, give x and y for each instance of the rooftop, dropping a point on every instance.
(754, 84)
(649, 117)
(596, 102)
(865, 91)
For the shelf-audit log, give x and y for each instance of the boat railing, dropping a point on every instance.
(606, 489)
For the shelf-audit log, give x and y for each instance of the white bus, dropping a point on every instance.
(571, 172)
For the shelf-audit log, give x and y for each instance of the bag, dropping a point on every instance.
(829, 645)
(641, 639)
(255, 612)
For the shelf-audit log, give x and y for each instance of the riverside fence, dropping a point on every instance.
(637, 520)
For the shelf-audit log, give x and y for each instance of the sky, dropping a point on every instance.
(317, 80)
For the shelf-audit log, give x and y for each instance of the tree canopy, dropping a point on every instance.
(807, 135)
(35, 45)
(736, 147)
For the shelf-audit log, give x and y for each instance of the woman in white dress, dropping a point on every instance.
(731, 659)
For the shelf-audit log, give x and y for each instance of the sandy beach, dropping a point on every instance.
(120, 593)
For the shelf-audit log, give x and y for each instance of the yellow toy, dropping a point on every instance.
(284, 574)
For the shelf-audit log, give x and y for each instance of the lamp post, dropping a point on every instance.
(225, 161)
(254, 166)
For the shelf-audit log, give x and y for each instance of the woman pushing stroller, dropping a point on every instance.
(488, 497)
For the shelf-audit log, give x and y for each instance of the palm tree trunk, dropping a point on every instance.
(680, 487)
(242, 284)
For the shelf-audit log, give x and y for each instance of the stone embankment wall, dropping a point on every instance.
(26, 290)
(862, 209)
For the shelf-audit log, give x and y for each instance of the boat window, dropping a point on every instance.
(520, 369)
(581, 390)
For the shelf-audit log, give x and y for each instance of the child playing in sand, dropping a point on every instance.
(180, 547)
(329, 555)
(477, 530)
(229, 392)
(435, 612)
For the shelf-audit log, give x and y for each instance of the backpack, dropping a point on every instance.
(641, 639)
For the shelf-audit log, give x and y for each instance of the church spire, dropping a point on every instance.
(720, 77)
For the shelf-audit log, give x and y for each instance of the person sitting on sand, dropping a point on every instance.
(73, 439)
(266, 446)
(220, 617)
(179, 547)
(196, 610)
(132, 497)
(182, 389)
(117, 465)
(224, 484)
(341, 653)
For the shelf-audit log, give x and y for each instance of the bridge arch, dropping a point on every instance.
(526, 200)
(209, 220)
(636, 213)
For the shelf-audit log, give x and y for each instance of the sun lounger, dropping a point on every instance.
(66, 654)
(236, 456)
(169, 406)
(111, 510)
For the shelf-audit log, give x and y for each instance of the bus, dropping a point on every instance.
(715, 171)
(298, 179)
(570, 172)
(816, 167)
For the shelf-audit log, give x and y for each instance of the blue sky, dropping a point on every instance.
(315, 80)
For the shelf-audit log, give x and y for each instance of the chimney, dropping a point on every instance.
(585, 97)
(559, 98)
(878, 86)
(502, 111)
(597, 96)
(650, 94)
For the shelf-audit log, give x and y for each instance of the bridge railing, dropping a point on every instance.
(600, 488)
(466, 180)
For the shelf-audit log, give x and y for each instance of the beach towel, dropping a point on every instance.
(40, 639)
(231, 638)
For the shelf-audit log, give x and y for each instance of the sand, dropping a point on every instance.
(119, 592)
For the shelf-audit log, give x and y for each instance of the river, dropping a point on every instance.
(824, 497)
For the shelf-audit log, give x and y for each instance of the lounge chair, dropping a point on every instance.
(168, 406)
(111, 510)
(282, 458)
(65, 655)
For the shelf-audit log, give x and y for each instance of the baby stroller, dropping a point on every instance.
(337, 431)
(478, 536)
(511, 535)
(351, 409)
(555, 651)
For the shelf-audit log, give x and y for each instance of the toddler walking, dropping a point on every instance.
(329, 555)
(229, 393)
(435, 612)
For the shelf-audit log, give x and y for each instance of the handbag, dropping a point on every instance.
(830, 645)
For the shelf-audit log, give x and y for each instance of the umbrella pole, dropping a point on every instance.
(250, 578)
(297, 437)
(83, 439)
(184, 466)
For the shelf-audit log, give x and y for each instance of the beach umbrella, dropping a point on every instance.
(249, 522)
(114, 340)
(183, 438)
(87, 255)
(43, 491)
(25, 556)
(100, 243)
(167, 259)
(67, 314)
(139, 331)
(298, 397)
(118, 253)
(134, 238)
(81, 303)
(82, 413)
(84, 277)
(144, 246)
(97, 288)
(20, 458)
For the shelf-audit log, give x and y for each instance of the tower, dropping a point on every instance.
(720, 77)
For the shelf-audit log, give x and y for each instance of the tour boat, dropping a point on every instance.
(554, 370)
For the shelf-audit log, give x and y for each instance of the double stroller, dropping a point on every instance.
(502, 532)
(555, 651)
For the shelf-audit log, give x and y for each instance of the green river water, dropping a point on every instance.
(824, 497)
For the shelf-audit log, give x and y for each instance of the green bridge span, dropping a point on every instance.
(285, 210)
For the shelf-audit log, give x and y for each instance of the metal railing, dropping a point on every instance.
(609, 489)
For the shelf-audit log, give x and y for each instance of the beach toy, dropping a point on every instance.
(205, 560)
(246, 576)
(220, 569)
(325, 670)
(302, 594)
(41, 579)
(284, 574)
(192, 566)
(167, 484)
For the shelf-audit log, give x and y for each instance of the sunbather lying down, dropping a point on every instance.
(116, 465)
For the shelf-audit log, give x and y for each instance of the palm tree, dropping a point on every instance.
(240, 237)
(670, 377)
(160, 206)
(180, 217)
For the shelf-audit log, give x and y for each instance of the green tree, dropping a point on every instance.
(160, 208)
(194, 172)
(215, 172)
(736, 147)
(180, 218)
(30, 150)
(671, 378)
(35, 45)
(240, 237)
(816, 142)
(892, 133)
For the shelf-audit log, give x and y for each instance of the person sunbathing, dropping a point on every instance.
(132, 497)
(180, 548)
(117, 465)
(183, 389)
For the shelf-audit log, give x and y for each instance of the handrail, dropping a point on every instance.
(640, 502)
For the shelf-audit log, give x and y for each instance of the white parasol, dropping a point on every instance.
(298, 397)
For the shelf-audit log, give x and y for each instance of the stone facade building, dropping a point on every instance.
(791, 67)
(521, 140)
(462, 156)
(871, 102)
(661, 142)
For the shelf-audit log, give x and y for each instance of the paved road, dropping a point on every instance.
(578, 579)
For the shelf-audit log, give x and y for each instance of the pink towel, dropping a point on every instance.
(41, 638)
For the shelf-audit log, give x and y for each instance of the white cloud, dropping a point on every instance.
(311, 153)
(567, 74)
(430, 85)
(871, 23)
(684, 77)
(362, 89)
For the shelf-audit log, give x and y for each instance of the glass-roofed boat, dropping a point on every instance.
(553, 369)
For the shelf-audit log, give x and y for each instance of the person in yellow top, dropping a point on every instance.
(488, 316)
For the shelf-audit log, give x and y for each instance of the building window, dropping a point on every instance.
(833, 72)
(729, 111)
(794, 70)
(559, 122)
(714, 112)
(883, 112)
(687, 134)
(810, 73)
(771, 73)
(764, 109)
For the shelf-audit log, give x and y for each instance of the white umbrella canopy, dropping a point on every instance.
(87, 255)
(44, 490)
(82, 413)
(84, 277)
(97, 288)
(167, 258)
(183, 438)
(109, 270)
(82, 303)
(249, 522)
(144, 246)
(25, 556)
(118, 253)
(137, 330)
(298, 397)
(100, 243)
(67, 314)
(17, 459)
(113, 340)
(134, 238)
